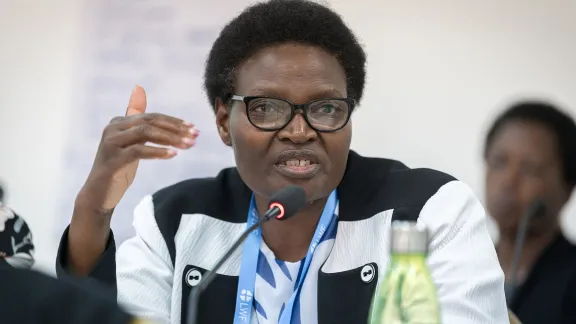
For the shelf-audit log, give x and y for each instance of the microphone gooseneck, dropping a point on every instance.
(536, 209)
(283, 205)
(286, 203)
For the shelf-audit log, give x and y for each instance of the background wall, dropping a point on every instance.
(437, 75)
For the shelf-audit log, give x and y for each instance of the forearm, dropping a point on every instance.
(87, 238)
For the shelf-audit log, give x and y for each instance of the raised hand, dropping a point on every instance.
(125, 141)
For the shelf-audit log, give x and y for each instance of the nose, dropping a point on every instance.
(298, 131)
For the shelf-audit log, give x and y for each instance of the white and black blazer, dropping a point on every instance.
(189, 225)
(16, 244)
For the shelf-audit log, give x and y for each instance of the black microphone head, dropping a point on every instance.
(289, 200)
(536, 209)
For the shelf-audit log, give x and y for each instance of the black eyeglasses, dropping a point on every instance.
(273, 114)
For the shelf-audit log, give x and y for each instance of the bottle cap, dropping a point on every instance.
(408, 237)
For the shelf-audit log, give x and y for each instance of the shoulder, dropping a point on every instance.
(385, 184)
(11, 222)
(215, 196)
(224, 197)
(413, 187)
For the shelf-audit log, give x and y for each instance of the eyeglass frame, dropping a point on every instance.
(293, 108)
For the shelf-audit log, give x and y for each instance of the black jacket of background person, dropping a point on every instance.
(548, 295)
(29, 297)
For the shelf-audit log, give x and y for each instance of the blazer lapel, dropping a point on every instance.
(345, 297)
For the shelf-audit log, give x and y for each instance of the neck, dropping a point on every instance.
(290, 239)
(533, 248)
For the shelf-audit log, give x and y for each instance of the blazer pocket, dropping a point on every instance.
(346, 297)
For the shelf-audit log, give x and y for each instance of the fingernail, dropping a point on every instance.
(188, 141)
(194, 131)
(189, 124)
(171, 152)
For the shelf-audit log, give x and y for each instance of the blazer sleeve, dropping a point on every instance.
(462, 258)
(144, 269)
(140, 272)
(102, 277)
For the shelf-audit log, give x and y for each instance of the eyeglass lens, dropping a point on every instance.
(269, 113)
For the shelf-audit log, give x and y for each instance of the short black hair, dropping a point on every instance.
(276, 22)
(548, 115)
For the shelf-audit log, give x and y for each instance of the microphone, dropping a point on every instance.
(283, 205)
(536, 209)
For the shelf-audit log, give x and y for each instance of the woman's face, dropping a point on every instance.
(299, 74)
(522, 165)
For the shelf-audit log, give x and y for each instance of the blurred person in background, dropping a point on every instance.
(16, 247)
(30, 297)
(530, 155)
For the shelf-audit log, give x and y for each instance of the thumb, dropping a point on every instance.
(137, 103)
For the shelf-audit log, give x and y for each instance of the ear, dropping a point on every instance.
(223, 121)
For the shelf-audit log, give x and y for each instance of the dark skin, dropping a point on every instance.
(296, 73)
(299, 74)
(123, 145)
(523, 164)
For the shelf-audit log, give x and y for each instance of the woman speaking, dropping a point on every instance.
(283, 78)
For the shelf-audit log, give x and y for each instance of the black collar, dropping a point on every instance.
(361, 182)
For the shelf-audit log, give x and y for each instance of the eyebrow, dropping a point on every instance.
(324, 93)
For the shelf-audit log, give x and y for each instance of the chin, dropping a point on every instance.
(314, 187)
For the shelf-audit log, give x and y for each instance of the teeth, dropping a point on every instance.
(297, 162)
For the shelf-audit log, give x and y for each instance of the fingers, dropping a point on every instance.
(155, 128)
(141, 151)
(144, 133)
(125, 156)
(124, 139)
(137, 102)
(173, 124)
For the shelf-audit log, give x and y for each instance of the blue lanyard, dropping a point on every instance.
(250, 252)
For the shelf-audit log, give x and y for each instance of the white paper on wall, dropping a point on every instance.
(161, 45)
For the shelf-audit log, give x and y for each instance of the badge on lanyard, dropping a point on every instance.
(250, 252)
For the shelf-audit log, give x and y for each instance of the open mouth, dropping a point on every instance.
(299, 164)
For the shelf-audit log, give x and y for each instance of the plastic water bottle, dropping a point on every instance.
(407, 294)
